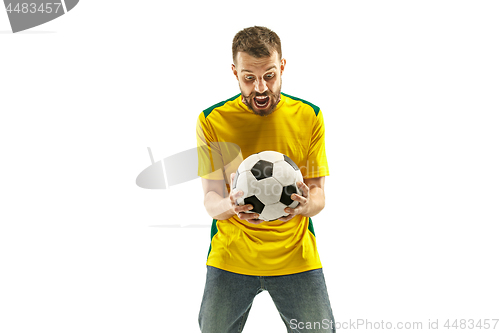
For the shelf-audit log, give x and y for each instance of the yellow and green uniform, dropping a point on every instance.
(295, 129)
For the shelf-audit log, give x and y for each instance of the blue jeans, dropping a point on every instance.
(301, 299)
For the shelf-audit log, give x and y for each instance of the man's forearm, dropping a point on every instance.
(218, 207)
(317, 201)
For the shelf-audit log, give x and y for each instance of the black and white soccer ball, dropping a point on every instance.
(267, 179)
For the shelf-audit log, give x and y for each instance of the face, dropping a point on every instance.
(260, 81)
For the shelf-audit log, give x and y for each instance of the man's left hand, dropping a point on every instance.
(303, 206)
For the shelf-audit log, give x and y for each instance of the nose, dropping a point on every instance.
(260, 86)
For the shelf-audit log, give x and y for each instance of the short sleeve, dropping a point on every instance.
(210, 162)
(216, 159)
(317, 165)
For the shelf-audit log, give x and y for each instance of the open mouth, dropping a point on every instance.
(261, 101)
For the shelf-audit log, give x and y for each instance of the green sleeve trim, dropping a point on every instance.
(212, 234)
(315, 108)
(210, 109)
(311, 227)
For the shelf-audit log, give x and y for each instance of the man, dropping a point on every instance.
(248, 255)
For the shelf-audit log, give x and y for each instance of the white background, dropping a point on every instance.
(410, 96)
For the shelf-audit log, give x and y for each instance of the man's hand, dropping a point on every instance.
(303, 203)
(240, 210)
(312, 200)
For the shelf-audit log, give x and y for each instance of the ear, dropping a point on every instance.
(283, 63)
(235, 71)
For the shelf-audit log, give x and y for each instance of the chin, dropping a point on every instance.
(273, 103)
(265, 112)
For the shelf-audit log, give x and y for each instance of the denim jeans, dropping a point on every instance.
(301, 299)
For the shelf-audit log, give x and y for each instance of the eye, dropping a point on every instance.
(269, 76)
(249, 77)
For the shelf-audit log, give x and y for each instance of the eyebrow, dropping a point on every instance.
(246, 70)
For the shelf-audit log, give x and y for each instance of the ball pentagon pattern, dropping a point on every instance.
(267, 180)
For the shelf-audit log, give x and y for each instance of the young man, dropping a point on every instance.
(248, 255)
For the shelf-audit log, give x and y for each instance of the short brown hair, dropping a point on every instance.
(257, 41)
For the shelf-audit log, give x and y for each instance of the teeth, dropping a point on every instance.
(261, 97)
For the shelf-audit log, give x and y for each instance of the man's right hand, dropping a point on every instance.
(240, 210)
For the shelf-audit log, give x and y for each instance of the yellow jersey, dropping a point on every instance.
(295, 129)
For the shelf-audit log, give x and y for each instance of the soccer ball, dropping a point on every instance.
(267, 179)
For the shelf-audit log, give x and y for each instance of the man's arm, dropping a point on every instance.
(221, 208)
(316, 196)
(216, 205)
